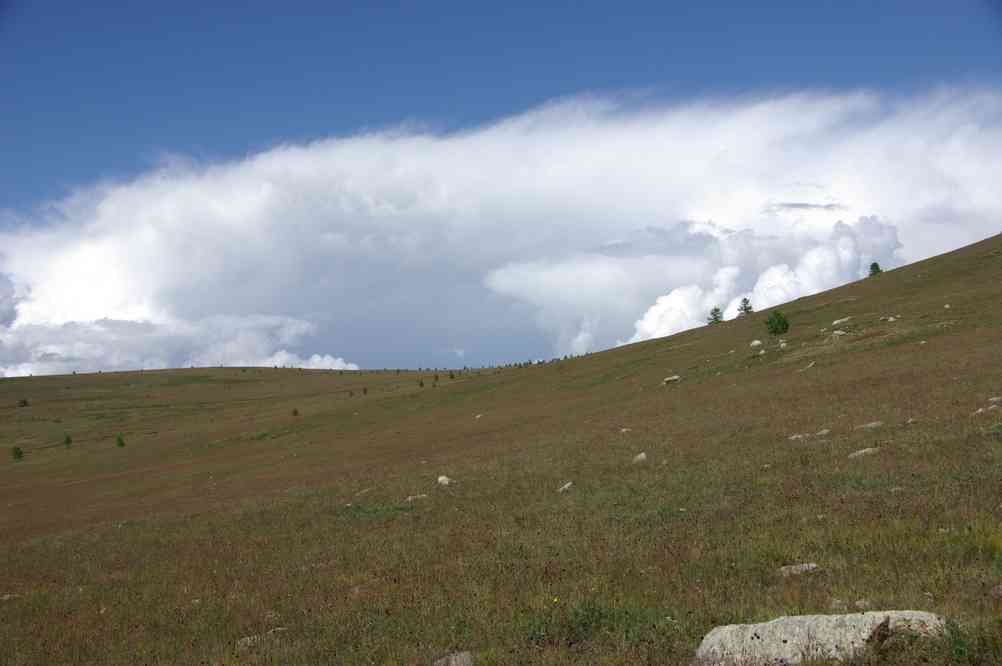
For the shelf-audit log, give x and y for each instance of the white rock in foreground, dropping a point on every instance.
(755, 343)
(444, 480)
(864, 452)
(455, 659)
(671, 380)
(564, 488)
(640, 458)
(872, 425)
(795, 639)
(843, 320)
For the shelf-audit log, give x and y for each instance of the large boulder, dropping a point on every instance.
(793, 640)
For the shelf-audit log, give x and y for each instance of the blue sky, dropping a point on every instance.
(440, 185)
(105, 89)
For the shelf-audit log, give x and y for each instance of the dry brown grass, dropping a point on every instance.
(226, 516)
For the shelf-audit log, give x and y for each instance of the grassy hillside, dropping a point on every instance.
(226, 515)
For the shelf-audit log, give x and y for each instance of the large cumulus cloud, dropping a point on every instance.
(565, 229)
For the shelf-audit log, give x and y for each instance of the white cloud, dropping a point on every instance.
(561, 230)
(794, 266)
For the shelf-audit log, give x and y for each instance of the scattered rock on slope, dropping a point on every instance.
(564, 488)
(755, 343)
(872, 425)
(248, 642)
(798, 569)
(864, 452)
(671, 380)
(795, 639)
(444, 480)
(455, 659)
(640, 458)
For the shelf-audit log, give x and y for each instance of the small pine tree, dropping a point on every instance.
(421, 383)
(295, 411)
(745, 308)
(16, 453)
(67, 441)
(875, 269)
(716, 316)
(120, 441)
(777, 323)
(452, 375)
(365, 391)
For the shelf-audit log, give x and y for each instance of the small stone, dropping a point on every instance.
(822, 433)
(979, 410)
(839, 322)
(921, 342)
(564, 488)
(761, 352)
(782, 345)
(896, 489)
(478, 416)
(444, 480)
(798, 569)
(838, 333)
(755, 343)
(640, 458)
(455, 659)
(624, 430)
(671, 380)
(872, 425)
(797, 436)
(864, 452)
(9, 597)
(411, 498)
(946, 307)
(248, 642)
(997, 398)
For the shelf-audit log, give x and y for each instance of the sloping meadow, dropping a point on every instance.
(285, 516)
